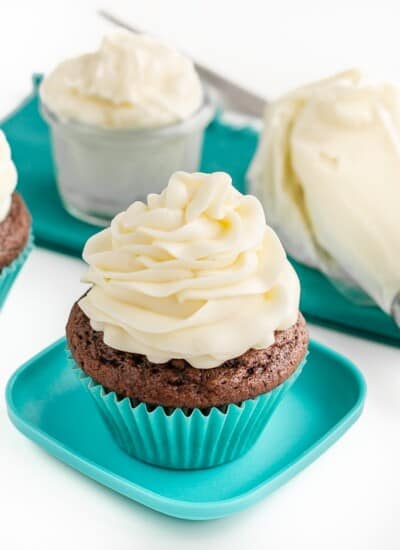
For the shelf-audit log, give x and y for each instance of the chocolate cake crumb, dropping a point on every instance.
(178, 384)
(14, 231)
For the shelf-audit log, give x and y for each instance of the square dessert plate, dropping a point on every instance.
(47, 403)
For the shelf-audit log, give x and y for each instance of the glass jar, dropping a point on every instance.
(101, 171)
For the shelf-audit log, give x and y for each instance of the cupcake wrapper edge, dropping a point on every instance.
(9, 273)
(181, 441)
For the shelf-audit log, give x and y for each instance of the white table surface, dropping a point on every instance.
(350, 497)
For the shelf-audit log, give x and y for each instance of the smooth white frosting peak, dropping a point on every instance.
(194, 274)
(8, 177)
(132, 81)
(328, 172)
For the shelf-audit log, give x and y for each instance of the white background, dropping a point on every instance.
(349, 498)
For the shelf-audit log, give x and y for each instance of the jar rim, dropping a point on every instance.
(200, 118)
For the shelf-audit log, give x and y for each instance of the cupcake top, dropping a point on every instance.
(328, 171)
(8, 177)
(194, 274)
(132, 81)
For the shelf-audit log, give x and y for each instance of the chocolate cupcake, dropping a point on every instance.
(190, 334)
(15, 223)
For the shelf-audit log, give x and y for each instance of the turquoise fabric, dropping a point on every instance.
(225, 148)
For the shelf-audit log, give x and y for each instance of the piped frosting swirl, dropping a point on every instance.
(194, 274)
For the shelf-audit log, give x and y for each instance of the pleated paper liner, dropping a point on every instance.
(9, 273)
(185, 439)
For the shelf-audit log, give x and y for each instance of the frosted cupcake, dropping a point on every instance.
(190, 334)
(15, 223)
(123, 118)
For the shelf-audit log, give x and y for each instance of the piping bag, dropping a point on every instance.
(327, 171)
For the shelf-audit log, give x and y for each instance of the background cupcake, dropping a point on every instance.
(190, 334)
(123, 118)
(15, 223)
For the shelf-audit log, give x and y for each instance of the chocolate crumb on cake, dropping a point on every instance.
(14, 231)
(176, 383)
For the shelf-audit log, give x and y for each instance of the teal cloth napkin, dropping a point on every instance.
(226, 148)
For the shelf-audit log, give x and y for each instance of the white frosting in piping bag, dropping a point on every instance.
(195, 274)
(132, 81)
(328, 173)
(8, 177)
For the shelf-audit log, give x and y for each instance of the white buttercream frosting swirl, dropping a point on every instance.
(194, 274)
(328, 173)
(132, 81)
(8, 177)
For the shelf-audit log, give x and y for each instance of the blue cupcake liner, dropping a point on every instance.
(185, 439)
(9, 273)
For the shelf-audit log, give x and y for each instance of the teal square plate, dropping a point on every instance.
(47, 403)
